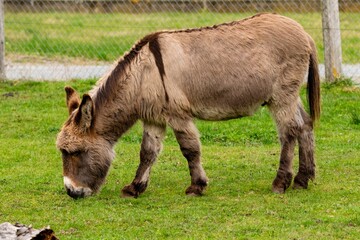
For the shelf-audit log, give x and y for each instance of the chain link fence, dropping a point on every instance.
(79, 39)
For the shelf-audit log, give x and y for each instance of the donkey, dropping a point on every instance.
(212, 73)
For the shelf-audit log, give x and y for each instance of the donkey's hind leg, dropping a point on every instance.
(306, 152)
(150, 147)
(288, 122)
(188, 139)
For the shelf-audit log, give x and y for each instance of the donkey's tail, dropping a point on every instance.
(313, 84)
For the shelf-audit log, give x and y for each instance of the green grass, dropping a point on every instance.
(105, 37)
(239, 156)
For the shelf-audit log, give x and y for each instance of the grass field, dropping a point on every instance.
(105, 37)
(240, 157)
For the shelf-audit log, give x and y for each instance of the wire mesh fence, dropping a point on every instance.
(66, 39)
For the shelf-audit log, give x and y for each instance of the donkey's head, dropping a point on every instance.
(86, 155)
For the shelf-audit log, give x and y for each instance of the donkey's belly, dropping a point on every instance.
(218, 112)
(221, 103)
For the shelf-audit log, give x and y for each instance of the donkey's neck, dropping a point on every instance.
(115, 98)
(116, 94)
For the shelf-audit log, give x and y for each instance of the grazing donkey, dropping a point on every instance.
(213, 73)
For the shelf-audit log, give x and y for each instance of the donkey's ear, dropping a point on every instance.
(72, 99)
(84, 117)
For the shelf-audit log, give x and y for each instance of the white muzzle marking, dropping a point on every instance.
(69, 184)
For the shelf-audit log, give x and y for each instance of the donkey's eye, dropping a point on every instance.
(76, 153)
(64, 152)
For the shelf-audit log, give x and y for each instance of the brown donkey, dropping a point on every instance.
(214, 73)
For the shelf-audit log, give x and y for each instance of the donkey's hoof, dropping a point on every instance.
(301, 182)
(195, 190)
(300, 185)
(281, 183)
(278, 190)
(129, 192)
(279, 187)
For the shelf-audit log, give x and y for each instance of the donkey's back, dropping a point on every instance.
(229, 70)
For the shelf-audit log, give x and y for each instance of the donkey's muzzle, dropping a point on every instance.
(76, 191)
(74, 194)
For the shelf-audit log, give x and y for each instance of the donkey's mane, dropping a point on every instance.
(106, 85)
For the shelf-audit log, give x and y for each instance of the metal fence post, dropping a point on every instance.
(332, 39)
(2, 41)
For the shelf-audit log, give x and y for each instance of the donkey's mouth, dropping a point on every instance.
(75, 191)
(75, 194)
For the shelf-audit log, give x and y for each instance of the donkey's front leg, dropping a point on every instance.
(150, 147)
(188, 139)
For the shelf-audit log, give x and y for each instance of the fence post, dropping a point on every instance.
(2, 41)
(332, 39)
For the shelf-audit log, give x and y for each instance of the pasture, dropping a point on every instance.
(81, 37)
(240, 157)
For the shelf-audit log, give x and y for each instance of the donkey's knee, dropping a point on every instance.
(191, 152)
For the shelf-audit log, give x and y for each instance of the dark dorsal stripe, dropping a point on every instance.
(154, 47)
(120, 69)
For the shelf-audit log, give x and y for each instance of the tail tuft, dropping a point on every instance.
(313, 85)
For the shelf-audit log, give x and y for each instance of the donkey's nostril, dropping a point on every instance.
(74, 193)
